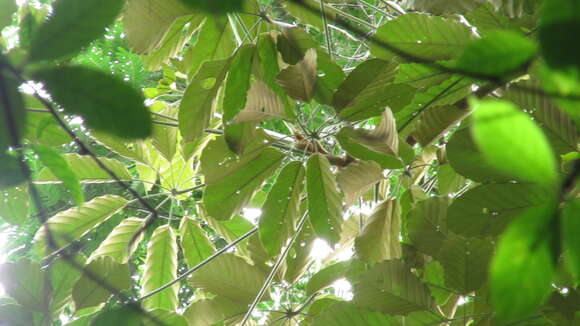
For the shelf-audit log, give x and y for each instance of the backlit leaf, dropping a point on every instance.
(25, 282)
(116, 244)
(194, 242)
(60, 168)
(379, 238)
(87, 170)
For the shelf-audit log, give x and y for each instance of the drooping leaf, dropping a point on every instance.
(194, 243)
(116, 108)
(218, 277)
(346, 313)
(73, 223)
(60, 168)
(465, 261)
(72, 26)
(208, 312)
(14, 205)
(161, 268)
(379, 238)
(512, 143)
(262, 104)
(146, 22)
(100, 279)
(356, 178)
(570, 223)
(426, 224)
(235, 182)
(421, 36)
(299, 80)
(238, 82)
(116, 244)
(523, 267)
(392, 288)
(281, 209)
(129, 315)
(324, 199)
(25, 282)
(487, 209)
(196, 105)
(326, 276)
(215, 8)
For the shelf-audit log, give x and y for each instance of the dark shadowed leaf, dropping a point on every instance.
(570, 226)
(215, 7)
(73, 25)
(127, 315)
(105, 103)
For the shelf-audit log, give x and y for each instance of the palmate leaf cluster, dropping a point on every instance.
(433, 145)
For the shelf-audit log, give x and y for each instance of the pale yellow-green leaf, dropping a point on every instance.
(14, 205)
(231, 277)
(74, 223)
(106, 275)
(194, 242)
(87, 170)
(164, 138)
(116, 244)
(137, 150)
(24, 281)
(160, 268)
(379, 239)
(208, 312)
(357, 178)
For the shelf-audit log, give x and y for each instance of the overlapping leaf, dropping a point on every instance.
(116, 244)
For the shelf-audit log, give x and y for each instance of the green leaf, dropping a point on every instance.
(25, 282)
(116, 244)
(449, 182)
(12, 110)
(164, 138)
(160, 268)
(44, 129)
(72, 26)
(465, 261)
(11, 171)
(421, 36)
(115, 108)
(196, 106)
(299, 80)
(346, 313)
(379, 238)
(434, 122)
(209, 312)
(146, 22)
(439, 7)
(7, 9)
(558, 126)
(570, 224)
(328, 275)
(392, 288)
(87, 170)
(215, 8)
(308, 12)
(163, 317)
(262, 104)
(194, 243)
(359, 145)
(512, 143)
(15, 315)
(426, 224)
(487, 209)
(558, 25)
(523, 267)
(231, 277)
(14, 205)
(238, 82)
(107, 275)
(497, 54)
(72, 224)
(281, 209)
(234, 183)
(324, 199)
(466, 159)
(63, 276)
(214, 42)
(129, 315)
(59, 167)
(356, 178)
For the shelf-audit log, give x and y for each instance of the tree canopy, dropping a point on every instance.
(289, 162)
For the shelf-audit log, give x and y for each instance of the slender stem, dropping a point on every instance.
(326, 30)
(274, 270)
(200, 265)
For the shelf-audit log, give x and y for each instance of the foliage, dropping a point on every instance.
(432, 145)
